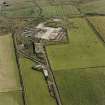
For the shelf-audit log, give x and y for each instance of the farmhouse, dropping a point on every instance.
(49, 33)
(45, 33)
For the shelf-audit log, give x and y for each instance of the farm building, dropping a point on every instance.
(44, 33)
(49, 33)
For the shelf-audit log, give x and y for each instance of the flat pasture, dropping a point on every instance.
(11, 98)
(81, 86)
(83, 50)
(10, 89)
(36, 90)
(20, 8)
(9, 76)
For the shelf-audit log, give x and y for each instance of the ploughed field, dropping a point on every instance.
(59, 11)
(79, 67)
(93, 7)
(10, 89)
(85, 6)
(98, 23)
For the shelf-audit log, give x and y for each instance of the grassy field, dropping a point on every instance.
(33, 8)
(63, 2)
(11, 98)
(20, 8)
(95, 6)
(81, 86)
(42, 3)
(99, 24)
(83, 50)
(9, 77)
(60, 11)
(77, 66)
(35, 86)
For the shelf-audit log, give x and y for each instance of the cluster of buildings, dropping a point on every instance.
(37, 35)
(42, 32)
(49, 33)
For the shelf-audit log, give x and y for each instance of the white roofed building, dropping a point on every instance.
(49, 33)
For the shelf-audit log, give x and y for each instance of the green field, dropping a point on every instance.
(52, 8)
(33, 8)
(35, 86)
(20, 8)
(81, 86)
(42, 3)
(99, 24)
(63, 2)
(79, 67)
(60, 11)
(93, 7)
(9, 78)
(10, 90)
(11, 98)
(84, 49)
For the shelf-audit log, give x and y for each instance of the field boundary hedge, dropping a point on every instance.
(19, 71)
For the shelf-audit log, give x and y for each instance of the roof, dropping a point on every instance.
(48, 33)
